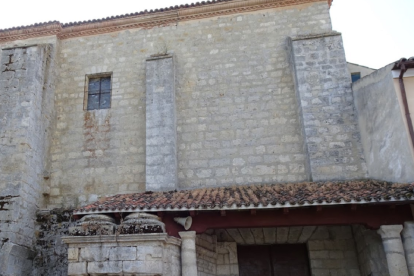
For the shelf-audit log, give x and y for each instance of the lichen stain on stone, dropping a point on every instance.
(51, 254)
(96, 127)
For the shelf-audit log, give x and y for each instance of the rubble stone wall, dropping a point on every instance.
(51, 254)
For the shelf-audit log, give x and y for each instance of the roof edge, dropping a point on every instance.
(234, 207)
(159, 17)
(361, 65)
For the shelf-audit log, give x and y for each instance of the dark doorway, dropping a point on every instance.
(273, 260)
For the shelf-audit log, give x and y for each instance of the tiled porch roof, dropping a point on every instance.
(256, 197)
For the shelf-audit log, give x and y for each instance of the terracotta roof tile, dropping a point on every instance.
(128, 15)
(109, 18)
(257, 196)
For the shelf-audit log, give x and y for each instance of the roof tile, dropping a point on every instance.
(313, 193)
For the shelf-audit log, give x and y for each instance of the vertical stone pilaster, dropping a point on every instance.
(408, 242)
(188, 253)
(323, 86)
(161, 134)
(394, 250)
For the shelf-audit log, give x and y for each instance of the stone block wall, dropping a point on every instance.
(145, 254)
(206, 250)
(324, 92)
(371, 254)
(237, 118)
(216, 258)
(384, 136)
(27, 112)
(332, 252)
(227, 263)
(331, 249)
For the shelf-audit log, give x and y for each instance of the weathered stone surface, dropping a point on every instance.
(394, 250)
(161, 125)
(147, 254)
(371, 255)
(27, 113)
(282, 234)
(106, 267)
(78, 269)
(408, 242)
(332, 254)
(188, 253)
(384, 136)
(334, 149)
(237, 119)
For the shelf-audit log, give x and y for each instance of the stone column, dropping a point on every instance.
(161, 136)
(394, 249)
(188, 253)
(408, 241)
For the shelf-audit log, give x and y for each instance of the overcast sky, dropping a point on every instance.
(375, 32)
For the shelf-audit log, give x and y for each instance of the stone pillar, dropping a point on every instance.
(161, 135)
(326, 107)
(394, 250)
(408, 241)
(188, 253)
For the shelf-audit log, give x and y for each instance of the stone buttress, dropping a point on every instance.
(26, 108)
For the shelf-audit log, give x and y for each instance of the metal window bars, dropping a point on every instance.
(99, 93)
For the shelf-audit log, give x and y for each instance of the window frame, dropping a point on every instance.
(358, 74)
(88, 77)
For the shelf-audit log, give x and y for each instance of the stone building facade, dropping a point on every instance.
(228, 113)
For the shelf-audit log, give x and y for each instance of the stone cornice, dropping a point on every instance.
(47, 29)
(313, 36)
(147, 19)
(85, 240)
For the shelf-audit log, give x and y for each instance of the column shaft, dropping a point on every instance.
(188, 253)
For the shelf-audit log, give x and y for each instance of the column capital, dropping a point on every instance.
(390, 231)
(187, 234)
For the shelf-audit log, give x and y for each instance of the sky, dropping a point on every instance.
(375, 32)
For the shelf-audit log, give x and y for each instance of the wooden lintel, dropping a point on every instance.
(253, 212)
(285, 211)
(192, 214)
(372, 216)
(160, 214)
(353, 207)
(318, 208)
